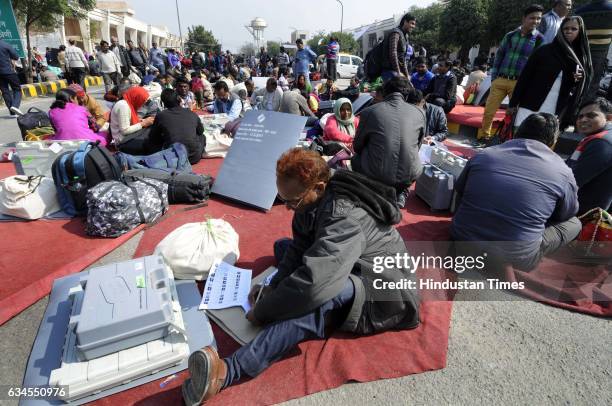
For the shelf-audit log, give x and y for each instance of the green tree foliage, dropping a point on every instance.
(273, 48)
(199, 38)
(46, 15)
(348, 44)
(427, 33)
(506, 15)
(248, 49)
(465, 23)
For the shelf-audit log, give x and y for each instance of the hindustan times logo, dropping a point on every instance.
(459, 264)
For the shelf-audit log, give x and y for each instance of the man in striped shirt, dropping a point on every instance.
(597, 16)
(511, 57)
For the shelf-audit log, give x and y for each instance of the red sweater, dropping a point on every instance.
(333, 133)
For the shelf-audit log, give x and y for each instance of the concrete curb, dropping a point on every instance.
(39, 89)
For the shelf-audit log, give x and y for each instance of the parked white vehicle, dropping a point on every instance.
(346, 67)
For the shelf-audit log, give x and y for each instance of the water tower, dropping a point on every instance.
(257, 27)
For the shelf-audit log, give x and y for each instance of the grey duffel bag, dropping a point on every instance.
(114, 208)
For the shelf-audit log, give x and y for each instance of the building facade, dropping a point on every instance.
(108, 19)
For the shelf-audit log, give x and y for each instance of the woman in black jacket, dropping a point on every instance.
(556, 76)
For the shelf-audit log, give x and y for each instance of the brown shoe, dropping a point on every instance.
(208, 373)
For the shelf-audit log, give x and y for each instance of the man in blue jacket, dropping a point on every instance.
(517, 201)
(303, 58)
(9, 78)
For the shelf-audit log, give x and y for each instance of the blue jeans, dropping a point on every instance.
(276, 339)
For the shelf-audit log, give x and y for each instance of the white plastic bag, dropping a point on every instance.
(28, 197)
(191, 249)
(217, 144)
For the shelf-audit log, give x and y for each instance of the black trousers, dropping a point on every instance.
(77, 75)
(446, 105)
(600, 62)
(332, 69)
(137, 143)
(11, 90)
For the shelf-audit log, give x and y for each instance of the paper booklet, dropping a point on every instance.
(233, 321)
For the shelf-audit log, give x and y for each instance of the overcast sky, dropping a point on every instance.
(226, 18)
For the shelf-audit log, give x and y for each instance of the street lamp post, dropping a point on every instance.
(178, 16)
(342, 15)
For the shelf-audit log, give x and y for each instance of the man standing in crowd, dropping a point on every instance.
(597, 16)
(520, 192)
(282, 61)
(442, 90)
(137, 58)
(264, 58)
(551, 21)
(331, 58)
(394, 49)
(391, 132)
(110, 66)
(325, 273)
(303, 58)
(511, 57)
(76, 63)
(9, 81)
(592, 160)
(123, 56)
(421, 78)
(156, 59)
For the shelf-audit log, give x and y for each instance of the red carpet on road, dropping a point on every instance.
(471, 116)
(316, 365)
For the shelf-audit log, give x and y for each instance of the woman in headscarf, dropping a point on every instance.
(71, 121)
(342, 126)
(91, 104)
(556, 76)
(129, 132)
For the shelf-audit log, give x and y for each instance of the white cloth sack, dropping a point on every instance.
(28, 197)
(191, 249)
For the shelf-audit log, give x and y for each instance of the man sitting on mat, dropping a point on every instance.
(325, 274)
(518, 200)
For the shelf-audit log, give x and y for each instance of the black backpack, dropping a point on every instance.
(373, 62)
(75, 172)
(34, 118)
(377, 58)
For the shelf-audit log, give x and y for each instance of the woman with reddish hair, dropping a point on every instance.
(329, 277)
(129, 132)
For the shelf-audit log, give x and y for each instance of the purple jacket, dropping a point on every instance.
(71, 123)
